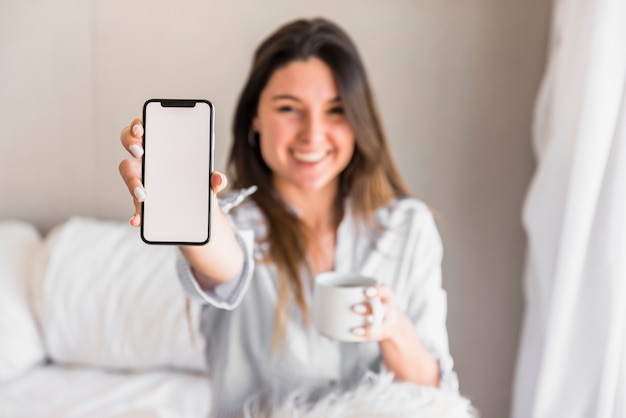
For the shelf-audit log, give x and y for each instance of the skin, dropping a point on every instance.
(307, 142)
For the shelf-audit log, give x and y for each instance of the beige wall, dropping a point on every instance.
(455, 80)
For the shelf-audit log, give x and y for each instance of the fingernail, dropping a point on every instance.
(370, 292)
(360, 331)
(139, 193)
(136, 129)
(221, 180)
(360, 308)
(136, 150)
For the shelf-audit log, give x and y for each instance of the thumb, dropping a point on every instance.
(218, 182)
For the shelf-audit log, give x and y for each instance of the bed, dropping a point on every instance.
(92, 324)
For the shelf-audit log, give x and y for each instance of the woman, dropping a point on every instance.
(308, 136)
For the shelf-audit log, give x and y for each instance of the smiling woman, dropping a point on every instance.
(319, 63)
(324, 195)
(306, 140)
(304, 135)
(455, 83)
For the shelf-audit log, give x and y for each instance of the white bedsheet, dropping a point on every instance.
(65, 392)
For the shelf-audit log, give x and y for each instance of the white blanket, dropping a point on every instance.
(377, 396)
(64, 392)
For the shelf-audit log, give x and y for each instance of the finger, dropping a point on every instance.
(218, 182)
(375, 295)
(377, 332)
(135, 220)
(367, 308)
(370, 333)
(131, 138)
(373, 331)
(373, 312)
(380, 291)
(130, 170)
(362, 309)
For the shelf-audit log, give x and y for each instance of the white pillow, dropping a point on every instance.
(20, 343)
(105, 298)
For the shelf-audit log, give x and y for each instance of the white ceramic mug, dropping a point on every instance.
(334, 296)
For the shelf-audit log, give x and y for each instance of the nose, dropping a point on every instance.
(313, 128)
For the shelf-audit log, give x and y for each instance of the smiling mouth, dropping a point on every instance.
(309, 157)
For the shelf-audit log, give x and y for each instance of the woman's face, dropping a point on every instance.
(304, 136)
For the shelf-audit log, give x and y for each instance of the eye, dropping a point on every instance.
(336, 110)
(286, 109)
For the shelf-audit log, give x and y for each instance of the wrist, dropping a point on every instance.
(406, 356)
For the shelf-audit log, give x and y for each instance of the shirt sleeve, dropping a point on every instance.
(427, 304)
(229, 294)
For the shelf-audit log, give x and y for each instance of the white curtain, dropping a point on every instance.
(572, 356)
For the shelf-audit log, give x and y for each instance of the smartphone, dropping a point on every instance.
(176, 169)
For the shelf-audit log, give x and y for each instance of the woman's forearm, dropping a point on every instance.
(220, 259)
(406, 356)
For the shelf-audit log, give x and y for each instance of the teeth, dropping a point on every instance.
(309, 157)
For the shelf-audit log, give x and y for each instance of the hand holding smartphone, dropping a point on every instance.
(176, 169)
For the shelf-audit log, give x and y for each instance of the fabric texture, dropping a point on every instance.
(376, 396)
(85, 392)
(104, 298)
(572, 355)
(237, 323)
(20, 344)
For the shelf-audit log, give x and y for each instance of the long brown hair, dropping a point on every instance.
(370, 180)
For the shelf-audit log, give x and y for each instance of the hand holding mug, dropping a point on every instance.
(347, 306)
(377, 295)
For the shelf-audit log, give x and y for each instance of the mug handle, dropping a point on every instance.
(378, 312)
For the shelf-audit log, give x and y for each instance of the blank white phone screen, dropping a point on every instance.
(176, 170)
